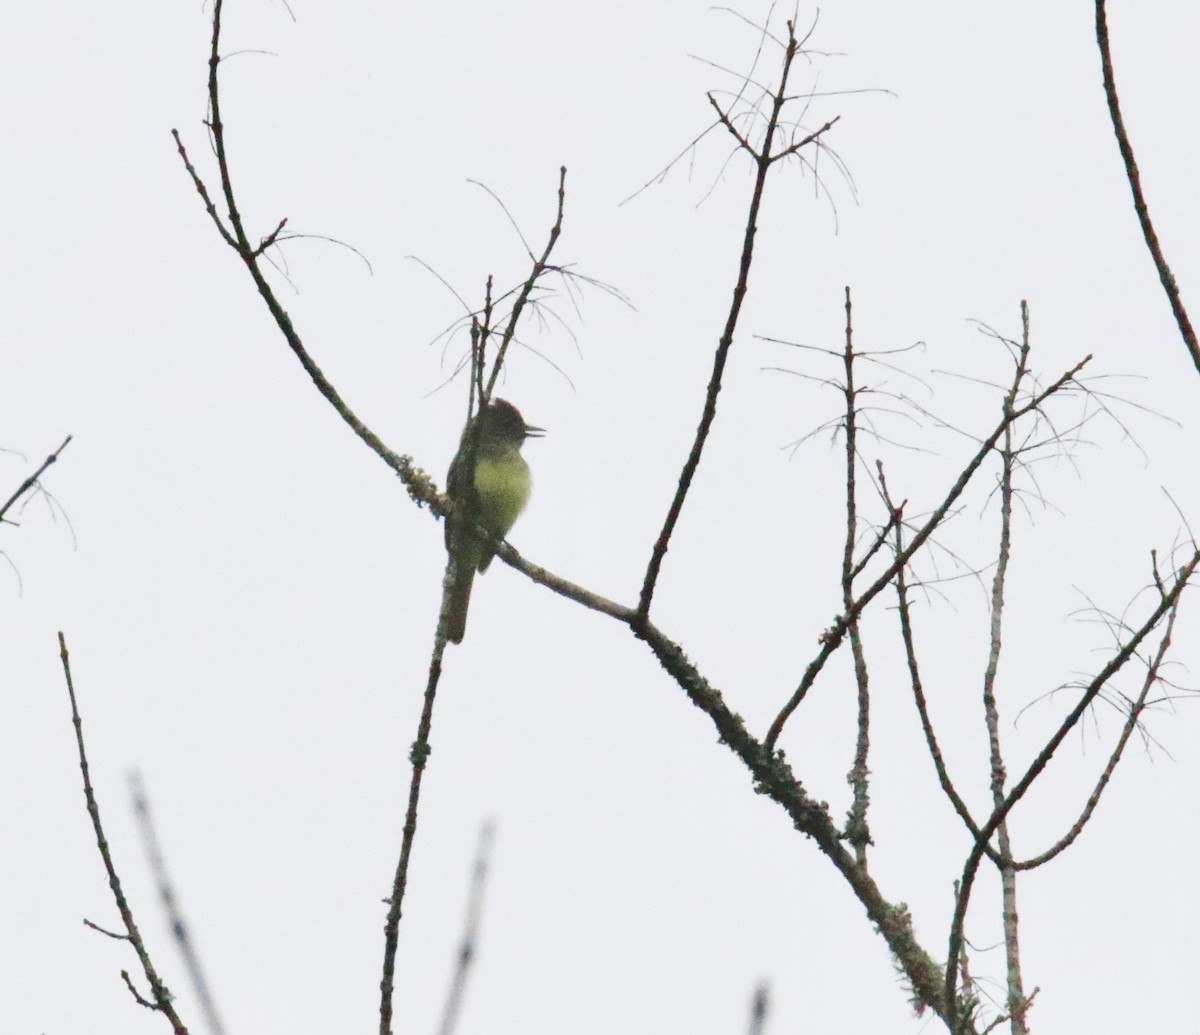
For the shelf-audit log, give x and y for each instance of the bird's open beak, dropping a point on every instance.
(532, 432)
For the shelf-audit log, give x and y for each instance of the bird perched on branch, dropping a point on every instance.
(491, 497)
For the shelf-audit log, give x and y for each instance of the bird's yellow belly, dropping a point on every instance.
(502, 488)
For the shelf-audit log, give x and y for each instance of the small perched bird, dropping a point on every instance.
(492, 498)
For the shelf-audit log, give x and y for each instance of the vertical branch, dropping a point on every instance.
(857, 831)
(462, 514)
(1008, 877)
(998, 776)
(914, 674)
(218, 134)
(480, 331)
(1135, 185)
(475, 381)
(1153, 670)
(163, 1000)
(418, 755)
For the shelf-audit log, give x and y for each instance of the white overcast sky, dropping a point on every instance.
(250, 597)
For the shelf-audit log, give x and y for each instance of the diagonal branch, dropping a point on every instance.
(771, 774)
(763, 161)
(32, 480)
(163, 1001)
(918, 688)
(774, 778)
(832, 638)
(914, 673)
(1135, 185)
(420, 486)
(540, 266)
(1091, 692)
(1131, 721)
(1017, 1001)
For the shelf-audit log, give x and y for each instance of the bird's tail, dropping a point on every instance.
(458, 601)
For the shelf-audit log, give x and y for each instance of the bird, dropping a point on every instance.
(491, 497)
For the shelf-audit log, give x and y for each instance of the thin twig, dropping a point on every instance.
(880, 538)
(931, 741)
(1004, 1018)
(1017, 1002)
(1130, 724)
(32, 480)
(541, 266)
(857, 831)
(910, 653)
(162, 1000)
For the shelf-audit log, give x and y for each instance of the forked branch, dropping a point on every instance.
(1167, 602)
(764, 158)
(832, 639)
(233, 232)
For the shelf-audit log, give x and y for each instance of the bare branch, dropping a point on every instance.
(1135, 185)
(857, 830)
(418, 755)
(1091, 692)
(774, 778)
(420, 486)
(832, 638)
(1136, 708)
(540, 266)
(1017, 1002)
(32, 480)
(163, 1001)
(763, 162)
